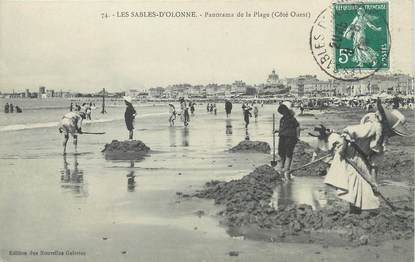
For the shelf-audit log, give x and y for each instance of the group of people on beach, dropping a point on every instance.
(185, 106)
(246, 109)
(352, 153)
(211, 108)
(10, 108)
(86, 107)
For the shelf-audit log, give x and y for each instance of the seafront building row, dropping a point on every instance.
(274, 86)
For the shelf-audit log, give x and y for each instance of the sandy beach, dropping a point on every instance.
(92, 209)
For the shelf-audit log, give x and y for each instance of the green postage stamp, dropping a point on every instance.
(362, 36)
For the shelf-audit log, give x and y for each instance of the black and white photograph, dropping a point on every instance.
(184, 131)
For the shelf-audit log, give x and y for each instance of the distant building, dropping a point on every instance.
(133, 92)
(273, 80)
(273, 85)
(50, 93)
(376, 84)
(156, 92)
(197, 91)
(142, 96)
(310, 86)
(67, 95)
(238, 88)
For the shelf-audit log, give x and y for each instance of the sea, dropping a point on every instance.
(85, 203)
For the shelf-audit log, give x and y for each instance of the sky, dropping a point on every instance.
(68, 46)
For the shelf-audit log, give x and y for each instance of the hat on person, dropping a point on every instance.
(394, 120)
(127, 99)
(285, 106)
(321, 132)
(82, 114)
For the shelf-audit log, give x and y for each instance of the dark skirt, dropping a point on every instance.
(129, 124)
(286, 146)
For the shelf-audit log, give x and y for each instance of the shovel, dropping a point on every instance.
(92, 133)
(273, 162)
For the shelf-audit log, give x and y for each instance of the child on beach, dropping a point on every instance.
(301, 108)
(228, 107)
(184, 113)
(71, 124)
(172, 112)
(289, 132)
(129, 116)
(247, 114)
(192, 108)
(256, 112)
(6, 108)
(88, 111)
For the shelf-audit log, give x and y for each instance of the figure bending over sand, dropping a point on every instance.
(71, 124)
(357, 150)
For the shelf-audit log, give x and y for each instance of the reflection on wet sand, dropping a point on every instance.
(246, 134)
(185, 136)
(228, 126)
(228, 132)
(172, 136)
(73, 179)
(131, 177)
(301, 190)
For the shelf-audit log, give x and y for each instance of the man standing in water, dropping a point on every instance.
(247, 114)
(289, 133)
(192, 108)
(129, 116)
(228, 107)
(71, 124)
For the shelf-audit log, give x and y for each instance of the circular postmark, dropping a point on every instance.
(351, 42)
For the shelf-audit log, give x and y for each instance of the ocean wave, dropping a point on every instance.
(17, 127)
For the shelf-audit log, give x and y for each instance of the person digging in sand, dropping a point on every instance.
(129, 116)
(289, 133)
(357, 149)
(71, 124)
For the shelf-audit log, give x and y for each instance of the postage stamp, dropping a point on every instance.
(351, 41)
(365, 42)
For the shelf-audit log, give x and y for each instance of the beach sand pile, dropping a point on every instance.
(398, 166)
(252, 146)
(125, 150)
(247, 204)
(303, 153)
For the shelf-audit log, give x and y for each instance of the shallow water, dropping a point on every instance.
(53, 201)
(302, 190)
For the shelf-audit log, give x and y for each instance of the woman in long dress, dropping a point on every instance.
(358, 150)
(362, 53)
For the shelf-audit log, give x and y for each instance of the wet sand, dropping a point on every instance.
(88, 204)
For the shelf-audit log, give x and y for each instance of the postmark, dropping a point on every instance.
(351, 41)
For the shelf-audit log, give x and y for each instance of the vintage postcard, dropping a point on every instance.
(207, 130)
